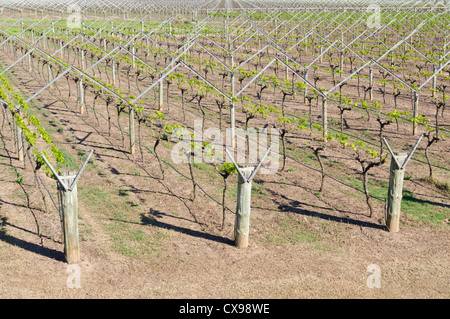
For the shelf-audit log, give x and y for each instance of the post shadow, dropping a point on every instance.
(34, 248)
(150, 220)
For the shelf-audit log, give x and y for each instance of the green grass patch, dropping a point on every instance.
(134, 243)
(424, 210)
(289, 231)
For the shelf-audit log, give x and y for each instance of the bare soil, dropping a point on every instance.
(142, 237)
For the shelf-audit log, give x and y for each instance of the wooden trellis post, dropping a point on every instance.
(305, 92)
(113, 72)
(415, 110)
(19, 139)
(244, 194)
(243, 205)
(81, 95)
(67, 187)
(83, 60)
(371, 82)
(30, 65)
(324, 117)
(50, 78)
(433, 85)
(160, 92)
(69, 212)
(395, 193)
(132, 131)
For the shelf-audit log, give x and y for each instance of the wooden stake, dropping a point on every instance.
(132, 133)
(416, 109)
(83, 60)
(30, 65)
(81, 95)
(324, 117)
(161, 95)
(69, 206)
(306, 86)
(19, 142)
(434, 81)
(113, 72)
(371, 83)
(242, 224)
(395, 192)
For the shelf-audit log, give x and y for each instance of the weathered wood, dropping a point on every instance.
(132, 131)
(395, 192)
(113, 72)
(324, 117)
(50, 77)
(19, 140)
(433, 85)
(371, 83)
(81, 96)
(133, 56)
(69, 206)
(232, 109)
(305, 92)
(242, 223)
(161, 95)
(83, 60)
(415, 111)
(30, 64)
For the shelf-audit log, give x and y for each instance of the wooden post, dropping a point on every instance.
(242, 223)
(132, 133)
(61, 52)
(83, 60)
(161, 94)
(324, 117)
(416, 109)
(19, 137)
(306, 86)
(49, 69)
(232, 110)
(81, 95)
(395, 192)
(113, 72)
(371, 82)
(434, 81)
(30, 65)
(321, 52)
(287, 69)
(133, 58)
(69, 206)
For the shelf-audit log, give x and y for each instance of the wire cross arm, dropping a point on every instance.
(248, 180)
(394, 157)
(81, 170)
(63, 185)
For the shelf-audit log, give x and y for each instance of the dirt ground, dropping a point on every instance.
(142, 237)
